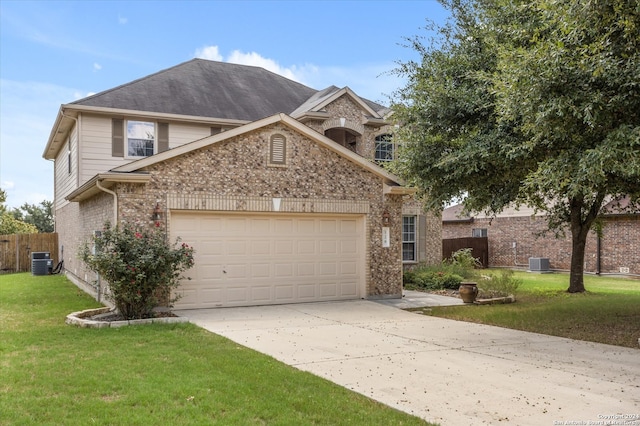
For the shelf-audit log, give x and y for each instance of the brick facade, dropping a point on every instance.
(234, 174)
(513, 240)
(236, 170)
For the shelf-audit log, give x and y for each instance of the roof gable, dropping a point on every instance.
(387, 177)
(318, 101)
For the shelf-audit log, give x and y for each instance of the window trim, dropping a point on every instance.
(482, 231)
(390, 148)
(414, 241)
(126, 139)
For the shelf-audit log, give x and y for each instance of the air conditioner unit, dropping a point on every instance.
(539, 264)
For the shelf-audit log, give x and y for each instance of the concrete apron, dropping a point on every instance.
(444, 371)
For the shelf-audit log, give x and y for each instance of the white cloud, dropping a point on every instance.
(371, 81)
(122, 20)
(209, 52)
(7, 185)
(97, 66)
(255, 59)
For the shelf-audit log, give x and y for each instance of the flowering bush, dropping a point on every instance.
(141, 267)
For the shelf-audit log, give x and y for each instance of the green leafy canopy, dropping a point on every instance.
(520, 102)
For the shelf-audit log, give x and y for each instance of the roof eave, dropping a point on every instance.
(107, 180)
(398, 190)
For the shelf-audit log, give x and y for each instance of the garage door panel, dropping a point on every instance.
(348, 268)
(284, 247)
(284, 226)
(328, 247)
(348, 226)
(307, 292)
(236, 247)
(283, 270)
(269, 259)
(306, 269)
(261, 248)
(233, 271)
(328, 290)
(261, 293)
(237, 295)
(260, 270)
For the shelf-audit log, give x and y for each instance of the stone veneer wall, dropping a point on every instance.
(619, 247)
(237, 170)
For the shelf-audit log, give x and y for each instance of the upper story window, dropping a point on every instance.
(384, 148)
(141, 137)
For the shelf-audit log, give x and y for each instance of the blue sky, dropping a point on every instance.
(52, 53)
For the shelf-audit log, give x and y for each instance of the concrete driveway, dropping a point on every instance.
(445, 371)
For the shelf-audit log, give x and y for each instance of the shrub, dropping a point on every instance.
(463, 263)
(140, 266)
(498, 285)
(429, 279)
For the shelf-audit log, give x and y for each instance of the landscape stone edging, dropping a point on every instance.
(79, 319)
(495, 300)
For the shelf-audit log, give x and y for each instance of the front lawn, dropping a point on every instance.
(173, 374)
(609, 312)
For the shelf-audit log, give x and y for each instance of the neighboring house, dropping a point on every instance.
(279, 187)
(514, 236)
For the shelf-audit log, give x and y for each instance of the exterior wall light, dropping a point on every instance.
(386, 218)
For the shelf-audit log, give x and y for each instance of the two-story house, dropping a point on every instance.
(279, 187)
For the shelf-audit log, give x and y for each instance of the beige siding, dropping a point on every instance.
(96, 141)
(180, 133)
(66, 182)
(96, 147)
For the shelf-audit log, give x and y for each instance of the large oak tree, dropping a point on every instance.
(527, 103)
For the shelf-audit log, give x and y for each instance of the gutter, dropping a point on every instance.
(115, 201)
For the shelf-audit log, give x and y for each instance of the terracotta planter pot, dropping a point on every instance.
(468, 292)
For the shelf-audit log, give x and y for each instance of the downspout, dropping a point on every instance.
(115, 217)
(115, 201)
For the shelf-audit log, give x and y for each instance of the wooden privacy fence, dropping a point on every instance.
(479, 248)
(16, 249)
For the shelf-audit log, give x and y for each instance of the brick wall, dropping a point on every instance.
(238, 169)
(619, 246)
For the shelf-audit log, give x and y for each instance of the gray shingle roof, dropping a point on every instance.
(207, 89)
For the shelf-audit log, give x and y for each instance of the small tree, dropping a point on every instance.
(141, 267)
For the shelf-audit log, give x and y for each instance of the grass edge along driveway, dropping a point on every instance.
(608, 312)
(178, 374)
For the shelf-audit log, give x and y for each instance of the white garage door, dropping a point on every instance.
(246, 259)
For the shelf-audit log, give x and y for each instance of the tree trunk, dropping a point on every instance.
(578, 245)
(580, 227)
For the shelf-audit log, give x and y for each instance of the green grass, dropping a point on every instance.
(171, 374)
(609, 312)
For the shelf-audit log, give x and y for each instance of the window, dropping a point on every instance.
(479, 232)
(408, 238)
(277, 150)
(384, 148)
(141, 136)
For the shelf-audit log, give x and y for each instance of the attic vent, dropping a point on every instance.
(277, 150)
